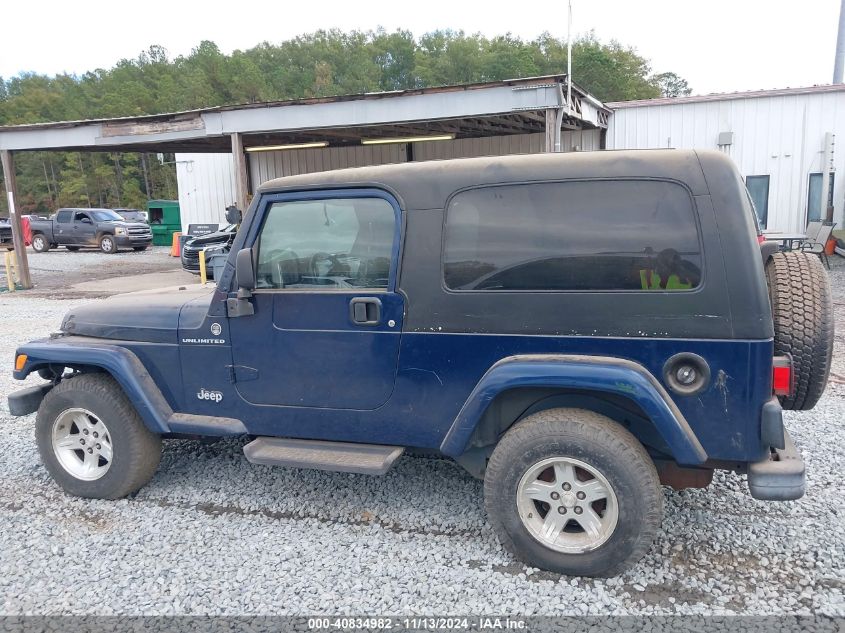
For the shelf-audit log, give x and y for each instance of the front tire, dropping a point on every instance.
(107, 244)
(573, 492)
(40, 243)
(92, 440)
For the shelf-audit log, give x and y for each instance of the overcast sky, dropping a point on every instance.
(717, 45)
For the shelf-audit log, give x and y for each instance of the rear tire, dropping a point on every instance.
(92, 440)
(802, 311)
(107, 244)
(621, 506)
(40, 243)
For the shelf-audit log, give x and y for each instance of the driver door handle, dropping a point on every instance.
(365, 310)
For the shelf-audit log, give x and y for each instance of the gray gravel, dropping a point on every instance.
(212, 534)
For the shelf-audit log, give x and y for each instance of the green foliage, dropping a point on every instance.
(671, 85)
(319, 64)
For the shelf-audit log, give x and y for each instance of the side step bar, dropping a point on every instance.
(366, 459)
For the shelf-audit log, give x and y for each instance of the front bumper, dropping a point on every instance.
(132, 240)
(27, 401)
(781, 476)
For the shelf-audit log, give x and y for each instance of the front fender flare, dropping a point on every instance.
(119, 362)
(592, 373)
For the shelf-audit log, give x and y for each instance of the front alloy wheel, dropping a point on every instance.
(82, 444)
(107, 244)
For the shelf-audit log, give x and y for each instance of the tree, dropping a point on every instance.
(319, 64)
(671, 85)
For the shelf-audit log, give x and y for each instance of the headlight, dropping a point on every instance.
(119, 230)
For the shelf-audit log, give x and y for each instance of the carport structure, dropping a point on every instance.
(546, 105)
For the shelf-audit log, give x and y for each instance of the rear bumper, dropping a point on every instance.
(781, 476)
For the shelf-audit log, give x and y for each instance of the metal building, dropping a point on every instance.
(776, 137)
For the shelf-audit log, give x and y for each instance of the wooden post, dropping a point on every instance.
(15, 218)
(239, 158)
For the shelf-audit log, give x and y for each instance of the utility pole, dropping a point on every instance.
(839, 62)
(15, 219)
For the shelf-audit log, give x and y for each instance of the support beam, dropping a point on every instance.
(549, 138)
(15, 218)
(239, 162)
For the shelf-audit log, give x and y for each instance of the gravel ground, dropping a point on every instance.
(212, 534)
(54, 272)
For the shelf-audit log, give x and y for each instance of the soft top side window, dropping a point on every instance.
(579, 235)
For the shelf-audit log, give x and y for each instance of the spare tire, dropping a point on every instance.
(802, 310)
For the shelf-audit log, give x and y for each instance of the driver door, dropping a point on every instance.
(328, 319)
(83, 229)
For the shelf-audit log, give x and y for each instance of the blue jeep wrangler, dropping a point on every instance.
(574, 329)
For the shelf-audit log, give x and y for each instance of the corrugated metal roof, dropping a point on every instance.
(726, 96)
(188, 114)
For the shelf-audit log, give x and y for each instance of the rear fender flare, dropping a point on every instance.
(592, 373)
(119, 362)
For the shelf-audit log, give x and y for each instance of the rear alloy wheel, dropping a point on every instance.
(107, 244)
(802, 311)
(40, 243)
(573, 492)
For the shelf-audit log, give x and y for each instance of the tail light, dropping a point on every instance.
(782, 377)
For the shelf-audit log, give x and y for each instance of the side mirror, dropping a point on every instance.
(245, 270)
(245, 276)
(233, 215)
(86, 220)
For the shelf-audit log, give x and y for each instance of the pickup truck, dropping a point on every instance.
(99, 228)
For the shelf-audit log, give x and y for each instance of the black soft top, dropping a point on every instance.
(428, 184)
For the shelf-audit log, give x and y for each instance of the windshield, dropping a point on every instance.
(106, 215)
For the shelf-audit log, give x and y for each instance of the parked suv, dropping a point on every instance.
(100, 228)
(212, 243)
(575, 329)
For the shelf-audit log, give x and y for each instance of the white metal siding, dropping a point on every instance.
(206, 187)
(779, 136)
(206, 181)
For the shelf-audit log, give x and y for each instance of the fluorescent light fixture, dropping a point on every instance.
(277, 148)
(408, 139)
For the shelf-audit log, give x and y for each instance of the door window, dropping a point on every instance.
(64, 216)
(758, 189)
(79, 216)
(336, 244)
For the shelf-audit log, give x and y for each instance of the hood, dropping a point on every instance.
(147, 316)
(127, 224)
(218, 237)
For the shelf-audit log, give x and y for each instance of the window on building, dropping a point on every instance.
(814, 196)
(327, 244)
(585, 235)
(758, 189)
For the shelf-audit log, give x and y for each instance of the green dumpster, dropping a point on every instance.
(164, 219)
